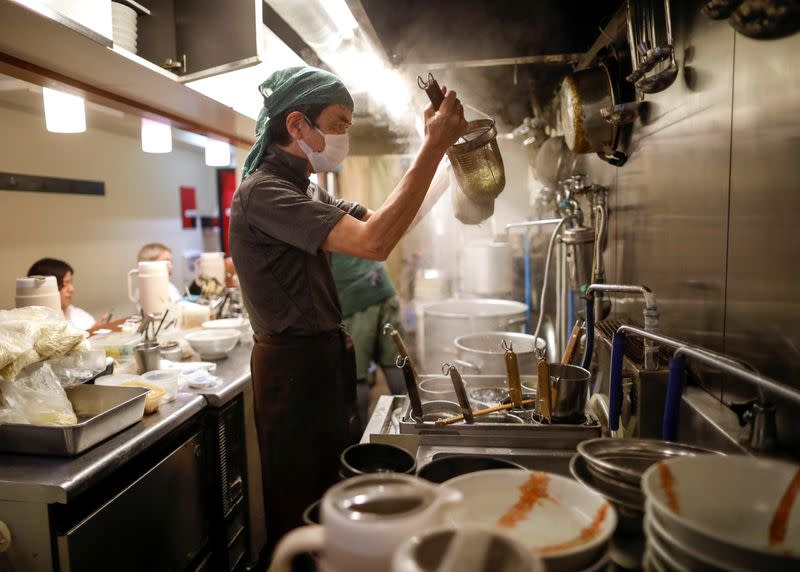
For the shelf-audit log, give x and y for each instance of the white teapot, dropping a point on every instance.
(153, 282)
(364, 520)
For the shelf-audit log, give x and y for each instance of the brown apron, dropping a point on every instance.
(305, 410)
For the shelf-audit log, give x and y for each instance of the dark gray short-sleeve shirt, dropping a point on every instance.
(279, 221)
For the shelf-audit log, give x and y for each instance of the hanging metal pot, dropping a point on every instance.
(583, 95)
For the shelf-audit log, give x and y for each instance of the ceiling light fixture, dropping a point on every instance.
(63, 112)
(156, 136)
(218, 153)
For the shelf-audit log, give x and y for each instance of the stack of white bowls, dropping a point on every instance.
(123, 20)
(722, 513)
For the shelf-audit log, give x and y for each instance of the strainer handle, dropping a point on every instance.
(432, 89)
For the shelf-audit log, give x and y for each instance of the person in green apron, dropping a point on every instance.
(282, 231)
(369, 301)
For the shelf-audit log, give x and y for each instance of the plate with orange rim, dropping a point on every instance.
(742, 511)
(566, 524)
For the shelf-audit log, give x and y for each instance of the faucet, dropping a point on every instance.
(759, 413)
(651, 319)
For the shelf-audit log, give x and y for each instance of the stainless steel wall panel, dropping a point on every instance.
(763, 310)
(670, 201)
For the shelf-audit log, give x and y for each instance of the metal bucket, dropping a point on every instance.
(443, 322)
(569, 388)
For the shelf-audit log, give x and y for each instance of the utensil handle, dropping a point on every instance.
(309, 538)
(410, 377)
(514, 381)
(495, 409)
(543, 394)
(672, 406)
(432, 90)
(130, 288)
(572, 344)
(461, 394)
(615, 380)
(587, 352)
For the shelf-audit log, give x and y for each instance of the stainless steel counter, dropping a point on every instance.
(234, 371)
(41, 479)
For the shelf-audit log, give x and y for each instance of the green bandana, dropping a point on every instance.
(289, 88)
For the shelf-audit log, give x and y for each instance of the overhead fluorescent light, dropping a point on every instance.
(156, 136)
(63, 112)
(342, 17)
(218, 153)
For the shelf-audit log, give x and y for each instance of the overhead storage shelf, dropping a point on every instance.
(43, 51)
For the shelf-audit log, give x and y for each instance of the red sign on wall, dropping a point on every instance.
(189, 207)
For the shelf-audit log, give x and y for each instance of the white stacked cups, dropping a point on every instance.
(123, 19)
(38, 291)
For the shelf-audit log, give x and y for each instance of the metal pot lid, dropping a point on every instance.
(489, 342)
(479, 307)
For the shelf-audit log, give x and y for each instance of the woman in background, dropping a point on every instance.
(154, 251)
(64, 275)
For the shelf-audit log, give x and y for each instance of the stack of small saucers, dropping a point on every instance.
(722, 513)
(613, 468)
(123, 19)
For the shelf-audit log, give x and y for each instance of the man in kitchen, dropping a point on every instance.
(282, 231)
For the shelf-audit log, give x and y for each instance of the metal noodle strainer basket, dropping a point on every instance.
(475, 157)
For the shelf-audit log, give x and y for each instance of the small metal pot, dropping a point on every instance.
(482, 353)
(569, 388)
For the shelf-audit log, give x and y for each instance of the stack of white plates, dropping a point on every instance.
(722, 513)
(123, 20)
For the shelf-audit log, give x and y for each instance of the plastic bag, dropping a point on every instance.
(31, 334)
(36, 397)
(78, 366)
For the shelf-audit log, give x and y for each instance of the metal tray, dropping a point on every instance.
(102, 412)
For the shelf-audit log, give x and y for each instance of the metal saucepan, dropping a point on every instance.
(569, 385)
(583, 95)
(482, 353)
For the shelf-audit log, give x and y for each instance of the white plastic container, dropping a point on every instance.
(38, 291)
(166, 379)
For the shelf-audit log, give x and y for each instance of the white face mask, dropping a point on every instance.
(335, 151)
